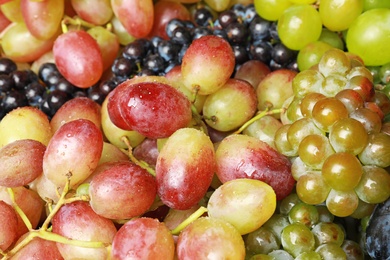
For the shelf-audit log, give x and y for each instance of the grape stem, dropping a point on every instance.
(67, 20)
(144, 165)
(199, 212)
(18, 210)
(259, 115)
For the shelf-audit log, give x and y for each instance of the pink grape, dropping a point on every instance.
(185, 168)
(78, 58)
(96, 12)
(143, 238)
(38, 248)
(122, 191)
(8, 225)
(153, 109)
(77, 220)
(21, 162)
(74, 149)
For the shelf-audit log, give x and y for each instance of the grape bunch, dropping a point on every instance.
(332, 130)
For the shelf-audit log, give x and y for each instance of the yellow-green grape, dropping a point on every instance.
(271, 10)
(372, 4)
(332, 38)
(333, 84)
(342, 171)
(338, 15)
(282, 144)
(324, 213)
(305, 214)
(299, 25)
(360, 71)
(297, 238)
(303, 1)
(218, 5)
(377, 151)
(288, 203)
(367, 37)
(293, 111)
(334, 61)
(276, 224)
(331, 251)
(261, 241)
(264, 129)
(374, 186)
(308, 102)
(363, 210)
(311, 188)
(311, 54)
(348, 135)
(328, 232)
(309, 255)
(307, 81)
(314, 149)
(342, 203)
(298, 168)
(328, 111)
(301, 129)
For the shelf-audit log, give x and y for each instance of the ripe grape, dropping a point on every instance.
(254, 202)
(311, 188)
(264, 129)
(8, 226)
(98, 13)
(143, 238)
(342, 203)
(314, 149)
(261, 241)
(328, 232)
(270, 9)
(185, 167)
(304, 213)
(311, 53)
(37, 248)
(297, 238)
(78, 58)
(328, 111)
(331, 251)
(376, 152)
(207, 236)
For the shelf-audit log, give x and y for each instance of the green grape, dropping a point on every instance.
(334, 61)
(342, 171)
(281, 142)
(311, 188)
(271, 10)
(377, 151)
(324, 214)
(327, 111)
(384, 73)
(370, 120)
(331, 251)
(367, 37)
(342, 203)
(309, 256)
(332, 38)
(339, 15)
(281, 255)
(288, 203)
(374, 186)
(353, 250)
(297, 238)
(293, 112)
(360, 71)
(364, 209)
(328, 232)
(304, 213)
(307, 81)
(343, 133)
(261, 241)
(308, 102)
(301, 129)
(261, 257)
(218, 5)
(276, 224)
(299, 25)
(333, 84)
(303, 1)
(311, 54)
(298, 168)
(351, 99)
(314, 149)
(373, 4)
(264, 129)
(375, 73)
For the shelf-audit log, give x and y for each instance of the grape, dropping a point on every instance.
(210, 237)
(293, 111)
(230, 106)
(307, 81)
(366, 36)
(126, 10)
(363, 86)
(304, 213)
(338, 16)
(299, 130)
(297, 238)
(77, 220)
(11, 10)
(299, 25)
(281, 255)
(75, 150)
(38, 248)
(143, 238)
(120, 31)
(175, 217)
(264, 129)
(311, 188)
(333, 84)
(95, 12)
(274, 89)
(353, 250)
(310, 54)
(276, 224)
(218, 5)
(342, 171)
(253, 71)
(282, 144)
(271, 9)
(25, 123)
(331, 251)
(240, 156)
(374, 186)
(307, 103)
(122, 191)
(78, 58)
(153, 109)
(43, 19)
(207, 64)
(332, 38)
(370, 120)
(8, 226)
(342, 203)
(343, 133)
(314, 149)
(21, 162)
(328, 111)
(334, 61)
(261, 241)
(108, 44)
(298, 167)
(77, 108)
(288, 203)
(351, 99)
(254, 202)
(376, 151)
(185, 167)
(328, 232)
(308, 255)
(14, 47)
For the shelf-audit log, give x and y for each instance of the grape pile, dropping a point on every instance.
(244, 129)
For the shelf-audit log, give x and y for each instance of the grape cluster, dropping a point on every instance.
(302, 231)
(333, 131)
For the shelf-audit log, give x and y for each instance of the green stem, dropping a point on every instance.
(23, 216)
(141, 164)
(67, 20)
(199, 212)
(257, 117)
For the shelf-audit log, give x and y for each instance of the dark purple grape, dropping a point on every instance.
(65, 85)
(21, 78)
(123, 67)
(47, 69)
(283, 55)
(237, 33)
(259, 29)
(52, 101)
(14, 99)
(261, 51)
(203, 17)
(181, 35)
(34, 93)
(154, 63)
(240, 53)
(250, 13)
(6, 83)
(227, 17)
(107, 86)
(168, 50)
(7, 66)
(136, 50)
(201, 31)
(172, 25)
